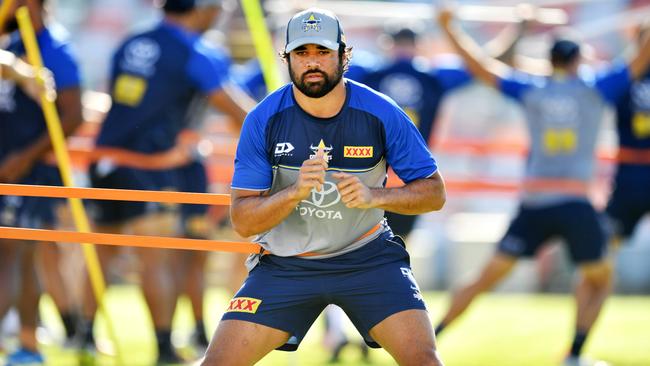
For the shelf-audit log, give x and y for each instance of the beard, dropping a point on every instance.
(316, 89)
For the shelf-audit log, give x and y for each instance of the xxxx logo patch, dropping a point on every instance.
(244, 305)
(357, 152)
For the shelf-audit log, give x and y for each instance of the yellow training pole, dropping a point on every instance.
(63, 160)
(263, 43)
(4, 11)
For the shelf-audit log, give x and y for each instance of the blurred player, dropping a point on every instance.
(416, 88)
(23, 144)
(630, 199)
(309, 174)
(419, 88)
(156, 76)
(563, 112)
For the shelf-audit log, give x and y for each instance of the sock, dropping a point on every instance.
(69, 323)
(578, 342)
(199, 330)
(440, 328)
(164, 339)
(87, 332)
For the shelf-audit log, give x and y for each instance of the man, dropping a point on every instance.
(418, 90)
(308, 181)
(563, 112)
(23, 143)
(630, 200)
(156, 75)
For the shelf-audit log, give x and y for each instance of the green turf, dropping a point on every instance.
(499, 330)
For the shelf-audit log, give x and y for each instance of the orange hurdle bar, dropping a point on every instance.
(128, 240)
(114, 194)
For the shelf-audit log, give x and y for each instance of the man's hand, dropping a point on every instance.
(311, 175)
(353, 192)
(15, 166)
(33, 82)
(445, 16)
(41, 83)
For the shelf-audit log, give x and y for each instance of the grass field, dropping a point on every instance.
(503, 330)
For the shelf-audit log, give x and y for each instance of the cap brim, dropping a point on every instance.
(311, 40)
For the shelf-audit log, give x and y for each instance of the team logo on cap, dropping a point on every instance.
(311, 23)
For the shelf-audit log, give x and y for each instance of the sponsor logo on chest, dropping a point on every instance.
(358, 152)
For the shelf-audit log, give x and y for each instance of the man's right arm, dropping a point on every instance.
(253, 212)
(639, 64)
(234, 102)
(480, 65)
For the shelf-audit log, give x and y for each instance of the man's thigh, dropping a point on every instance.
(372, 295)
(270, 298)
(238, 342)
(408, 337)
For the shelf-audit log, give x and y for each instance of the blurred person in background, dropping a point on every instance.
(419, 86)
(24, 142)
(563, 112)
(156, 75)
(309, 182)
(630, 199)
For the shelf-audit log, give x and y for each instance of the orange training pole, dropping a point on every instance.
(128, 240)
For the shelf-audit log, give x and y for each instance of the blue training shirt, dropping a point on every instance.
(21, 118)
(154, 79)
(633, 127)
(369, 133)
(417, 89)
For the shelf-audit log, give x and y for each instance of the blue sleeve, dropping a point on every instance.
(515, 85)
(452, 78)
(406, 151)
(614, 83)
(63, 66)
(356, 72)
(208, 68)
(253, 171)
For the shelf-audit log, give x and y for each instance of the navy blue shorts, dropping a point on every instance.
(369, 284)
(116, 212)
(629, 201)
(32, 212)
(576, 222)
(193, 178)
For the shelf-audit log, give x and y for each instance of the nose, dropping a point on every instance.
(312, 63)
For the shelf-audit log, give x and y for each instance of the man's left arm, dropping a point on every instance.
(65, 73)
(210, 70)
(414, 198)
(18, 164)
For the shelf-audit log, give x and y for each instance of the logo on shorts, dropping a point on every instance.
(244, 305)
(406, 272)
(362, 152)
